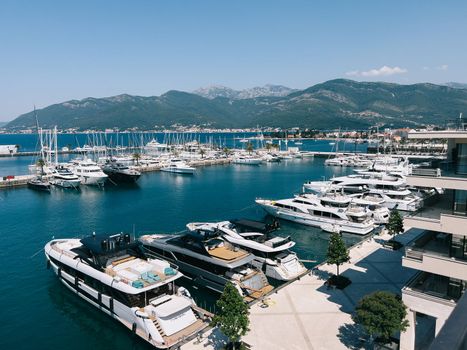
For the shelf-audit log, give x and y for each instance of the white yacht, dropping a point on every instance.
(178, 166)
(248, 160)
(272, 254)
(89, 172)
(392, 188)
(63, 177)
(321, 211)
(211, 261)
(113, 273)
(371, 203)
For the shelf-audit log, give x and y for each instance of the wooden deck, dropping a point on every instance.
(182, 335)
(259, 293)
(226, 254)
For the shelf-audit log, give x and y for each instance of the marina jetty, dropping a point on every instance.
(308, 314)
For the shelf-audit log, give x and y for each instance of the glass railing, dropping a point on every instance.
(434, 287)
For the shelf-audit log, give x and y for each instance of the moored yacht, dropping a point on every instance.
(119, 172)
(272, 253)
(321, 211)
(248, 160)
(63, 177)
(178, 166)
(89, 172)
(39, 183)
(112, 273)
(211, 261)
(392, 188)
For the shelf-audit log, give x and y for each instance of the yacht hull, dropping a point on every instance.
(122, 177)
(188, 171)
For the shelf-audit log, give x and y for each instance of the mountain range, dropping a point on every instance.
(329, 105)
(212, 92)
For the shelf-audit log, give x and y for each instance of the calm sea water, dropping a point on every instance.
(38, 312)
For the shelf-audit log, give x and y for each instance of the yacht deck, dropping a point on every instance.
(226, 254)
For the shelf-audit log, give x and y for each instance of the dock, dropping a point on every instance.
(307, 314)
(14, 181)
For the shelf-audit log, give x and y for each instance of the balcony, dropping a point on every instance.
(435, 288)
(438, 215)
(438, 253)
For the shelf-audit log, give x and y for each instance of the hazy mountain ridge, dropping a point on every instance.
(332, 104)
(214, 91)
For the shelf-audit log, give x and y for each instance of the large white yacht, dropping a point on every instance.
(112, 273)
(63, 177)
(392, 188)
(178, 166)
(211, 261)
(272, 254)
(89, 172)
(330, 213)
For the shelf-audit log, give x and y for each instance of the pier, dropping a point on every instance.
(307, 314)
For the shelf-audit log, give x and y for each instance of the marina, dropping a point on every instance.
(140, 208)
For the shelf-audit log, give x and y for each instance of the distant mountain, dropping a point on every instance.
(212, 92)
(335, 103)
(457, 85)
(2, 124)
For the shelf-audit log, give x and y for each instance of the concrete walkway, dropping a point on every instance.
(308, 315)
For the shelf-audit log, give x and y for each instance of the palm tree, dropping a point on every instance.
(226, 151)
(137, 157)
(249, 147)
(41, 164)
(202, 152)
(268, 147)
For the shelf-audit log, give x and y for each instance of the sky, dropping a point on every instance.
(54, 51)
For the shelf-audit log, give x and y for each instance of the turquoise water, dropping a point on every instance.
(38, 312)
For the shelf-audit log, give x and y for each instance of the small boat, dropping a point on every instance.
(178, 166)
(39, 184)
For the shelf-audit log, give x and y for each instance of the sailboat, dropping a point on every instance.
(39, 183)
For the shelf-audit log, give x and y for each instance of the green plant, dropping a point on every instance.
(249, 147)
(41, 163)
(381, 314)
(337, 253)
(395, 224)
(137, 157)
(232, 317)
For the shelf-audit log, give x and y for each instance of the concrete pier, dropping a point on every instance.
(308, 315)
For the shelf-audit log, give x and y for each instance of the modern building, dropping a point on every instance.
(440, 252)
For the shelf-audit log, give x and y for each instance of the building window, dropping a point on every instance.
(461, 160)
(460, 202)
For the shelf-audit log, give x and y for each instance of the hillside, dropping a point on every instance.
(335, 103)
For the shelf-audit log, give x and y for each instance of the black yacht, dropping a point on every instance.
(119, 172)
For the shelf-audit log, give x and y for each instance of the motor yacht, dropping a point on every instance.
(321, 211)
(39, 183)
(211, 261)
(373, 204)
(178, 166)
(247, 160)
(112, 273)
(392, 188)
(272, 253)
(88, 172)
(119, 172)
(63, 177)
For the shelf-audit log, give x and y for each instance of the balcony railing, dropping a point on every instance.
(433, 288)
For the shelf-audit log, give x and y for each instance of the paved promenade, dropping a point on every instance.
(308, 315)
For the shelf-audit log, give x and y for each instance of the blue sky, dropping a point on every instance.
(52, 51)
